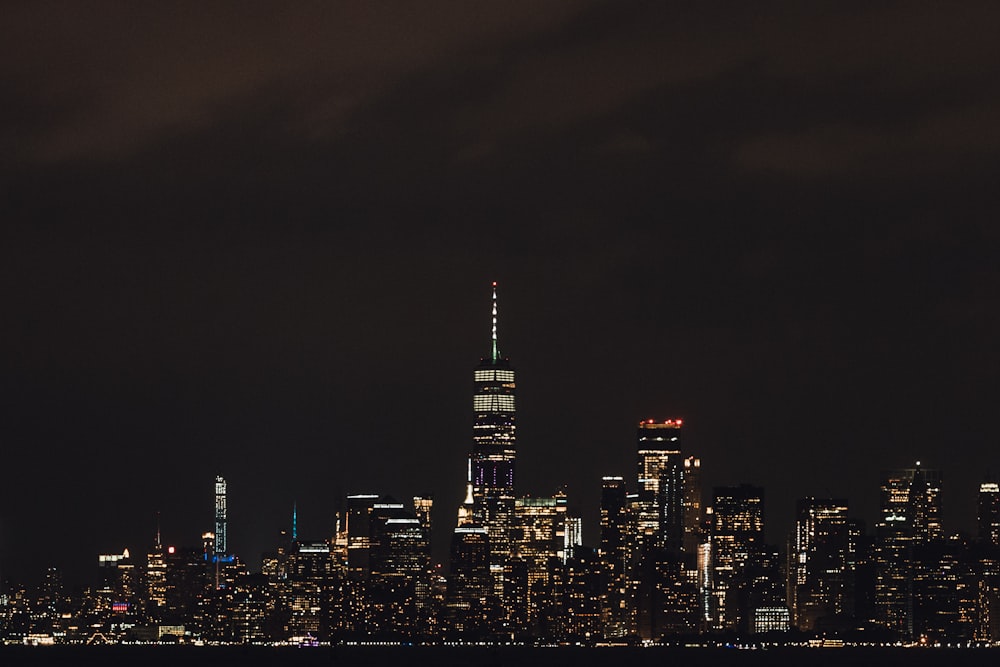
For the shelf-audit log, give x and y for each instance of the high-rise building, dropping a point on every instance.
(359, 533)
(737, 533)
(660, 502)
(469, 582)
(614, 555)
(573, 535)
(910, 516)
(494, 448)
(187, 579)
(400, 569)
(819, 563)
(989, 513)
(945, 590)
(221, 545)
(694, 515)
(422, 506)
(156, 576)
(539, 538)
(662, 588)
(582, 595)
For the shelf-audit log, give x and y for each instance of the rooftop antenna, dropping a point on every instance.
(496, 349)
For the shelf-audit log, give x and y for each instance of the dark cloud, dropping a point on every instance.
(257, 240)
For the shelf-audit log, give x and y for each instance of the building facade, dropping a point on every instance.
(494, 450)
(909, 516)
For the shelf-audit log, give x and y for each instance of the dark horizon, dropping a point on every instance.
(258, 242)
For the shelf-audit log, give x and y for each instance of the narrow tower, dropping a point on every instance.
(221, 548)
(493, 447)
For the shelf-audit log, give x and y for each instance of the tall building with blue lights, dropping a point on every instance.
(221, 517)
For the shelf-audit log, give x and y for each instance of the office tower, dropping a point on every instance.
(359, 533)
(736, 535)
(538, 539)
(221, 545)
(766, 582)
(819, 563)
(694, 515)
(660, 502)
(494, 448)
(614, 555)
(228, 611)
(910, 515)
(862, 554)
(187, 579)
(470, 585)
(422, 506)
(573, 535)
(399, 584)
(354, 614)
(582, 596)
(520, 604)
(156, 576)
(662, 586)
(945, 590)
(989, 513)
(311, 573)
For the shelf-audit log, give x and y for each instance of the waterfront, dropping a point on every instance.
(494, 656)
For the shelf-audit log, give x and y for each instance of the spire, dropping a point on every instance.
(496, 350)
(158, 543)
(465, 509)
(295, 520)
(468, 486)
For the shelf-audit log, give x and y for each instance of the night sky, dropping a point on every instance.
(259, 243)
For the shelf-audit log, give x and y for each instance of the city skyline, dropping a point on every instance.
(662, 460)
(257, 242)
(485, 459)
(668, 566)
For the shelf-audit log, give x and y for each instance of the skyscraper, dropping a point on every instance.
(614, 554)
(662, 597)
(221, 547)
(737, 533)
(156, 575)
(538, 540)
(660, 504)
(910, 516)
(494, 448)
(819, 580)
(989, 513)
(694, 515)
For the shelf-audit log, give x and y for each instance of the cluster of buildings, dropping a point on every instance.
(673, 563)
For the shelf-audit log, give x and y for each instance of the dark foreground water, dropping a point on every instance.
(401, 656)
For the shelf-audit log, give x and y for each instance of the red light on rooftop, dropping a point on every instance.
(170, 550)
